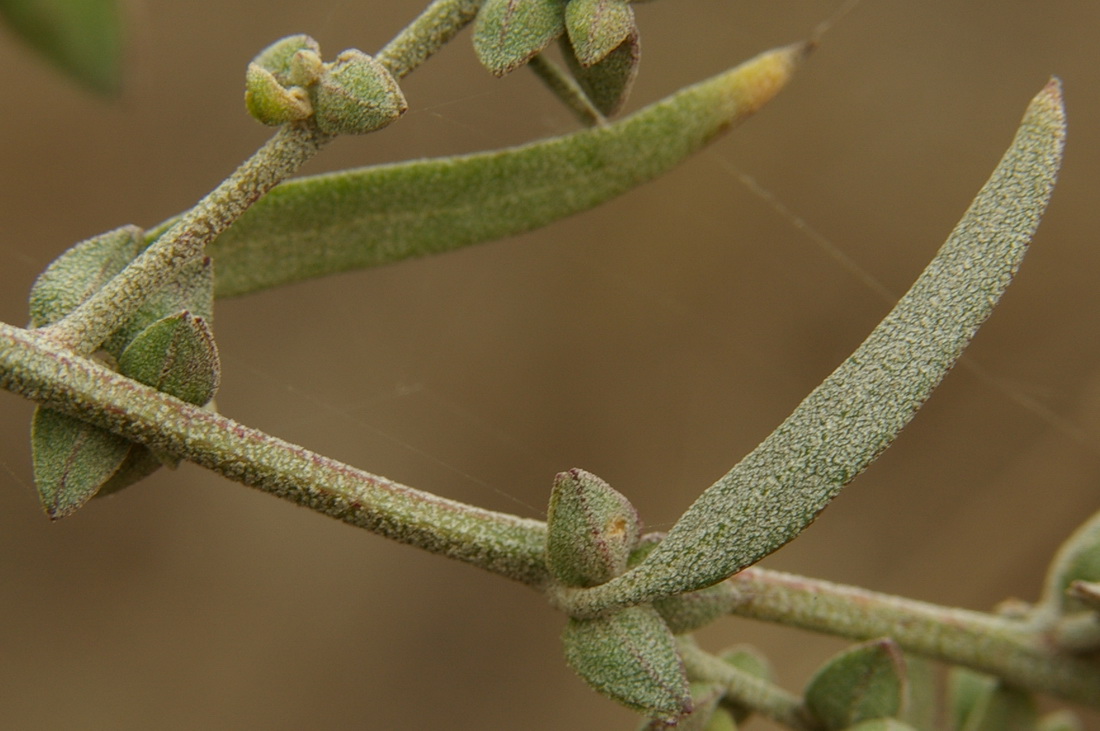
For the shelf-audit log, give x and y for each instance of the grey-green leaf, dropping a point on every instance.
(846, 422)
(72, 460)
(508, 33)
(597, 27)
(175, 355)
(84, 38)
(359, 218)
(607, 83)
(81, 271)
(591, 528)
(630, 656)
(863, 683)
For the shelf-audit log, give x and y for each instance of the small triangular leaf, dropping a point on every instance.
(591, 529)
(508, 33)
(630, 657)
(81, 37)
(608, 82)
(597, 27)
(72, 459)
(175, 355)
(862, 683)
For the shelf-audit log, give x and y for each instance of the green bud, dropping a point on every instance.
(862, 683)
(509, 33)
(608, 82)
(175, 355)
(630, 657)
(82, 271)
(597, 27)
(1078, 559)
(72, 459)
(279, 58)
(356, 94)
(270, 102)
(591, 529)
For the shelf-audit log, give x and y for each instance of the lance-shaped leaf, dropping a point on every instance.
(72, 460)
(81, 37)
(80, 272)
(597, 27)
(378, 215)
(607, 83)
(591, 529)
(782, 485)
(1078, 559)
(508, 33)
(862, 683)
(630, 657)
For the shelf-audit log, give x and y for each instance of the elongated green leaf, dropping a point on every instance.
(82, 37)
(782, 485)
(330, 223)
(862, 683)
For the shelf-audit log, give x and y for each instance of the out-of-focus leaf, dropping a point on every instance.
(862, 683)
(359, 218)
(82, 37)
(747, 659)
(923, 708)
(980, 702)
(630, 657)
(846, 422)
(508, 33)
(72, 460)
(1061, 721)
(883, 724)
(1078, 559)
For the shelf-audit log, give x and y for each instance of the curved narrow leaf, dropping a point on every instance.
(82, 37)
(330, 223)
(839, 429)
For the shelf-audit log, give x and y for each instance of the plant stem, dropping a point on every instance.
(754, 693)
(439, 23)
(1008, 648)
(36, 367)
(90, 324)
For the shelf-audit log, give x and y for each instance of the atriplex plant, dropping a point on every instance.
(121, 356)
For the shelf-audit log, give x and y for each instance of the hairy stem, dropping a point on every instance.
(90, 324)
(38, 368)
(429, 32)
(755, 693)
(1008, 648)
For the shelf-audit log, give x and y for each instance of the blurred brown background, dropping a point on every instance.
(653, 341)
